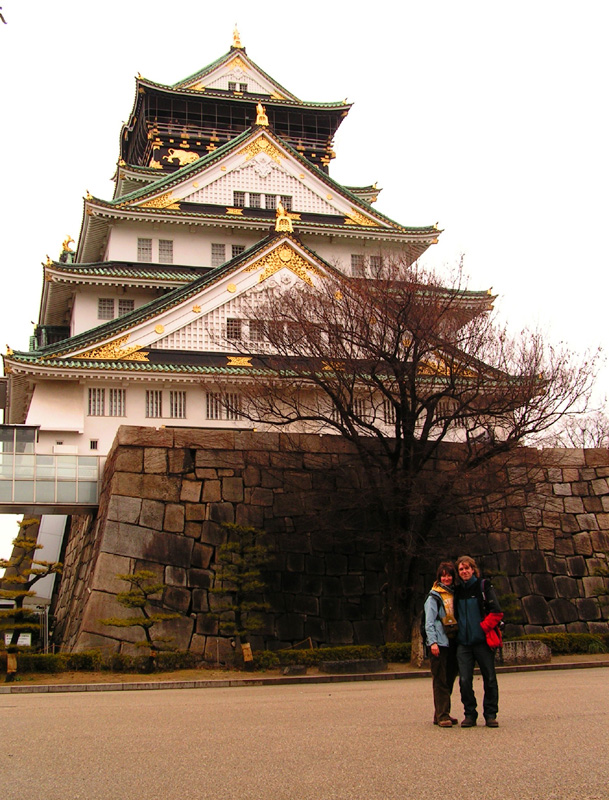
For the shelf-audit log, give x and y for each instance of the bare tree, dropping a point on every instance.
(583, 430)
(399, 365)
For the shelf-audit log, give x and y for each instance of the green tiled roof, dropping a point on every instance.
(129, 270)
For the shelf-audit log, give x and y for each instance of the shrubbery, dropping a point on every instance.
(565, 643)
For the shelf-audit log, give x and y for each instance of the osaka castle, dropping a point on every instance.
(222, 189)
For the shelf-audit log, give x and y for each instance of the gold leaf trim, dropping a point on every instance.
(236, 212)
(116, 351)
(284, 256)
(262, 145)
(163, 201)
(238, 361)
(355, 218)
(238, 63)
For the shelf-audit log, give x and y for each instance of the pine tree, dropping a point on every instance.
(22, 572)
(144, 585)
(239, 584)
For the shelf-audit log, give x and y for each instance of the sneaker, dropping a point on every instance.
(445, 723)
(468, 722)
(491, 722)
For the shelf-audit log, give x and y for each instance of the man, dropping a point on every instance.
(477, 611)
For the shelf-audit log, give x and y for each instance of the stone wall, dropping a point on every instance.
(544, 535)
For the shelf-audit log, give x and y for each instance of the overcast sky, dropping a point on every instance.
(490, 119)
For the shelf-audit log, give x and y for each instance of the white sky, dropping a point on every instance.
(488, 118)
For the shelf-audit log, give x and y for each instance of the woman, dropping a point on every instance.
(440, 632)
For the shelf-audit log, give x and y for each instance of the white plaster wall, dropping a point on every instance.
(84, 310)
(57, 406)
(50, 536)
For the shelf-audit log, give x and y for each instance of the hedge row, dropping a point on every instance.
(93, 661)
(267, 659)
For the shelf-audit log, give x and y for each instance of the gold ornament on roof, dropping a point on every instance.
(355, 218)
(262, 145)
(114, 351)
(239, 361)
(9, 351)
(65, 245)
(280, 258)
(283, 223)
(48, 262)
(89, 196)
(261, 117)
(163, 201)
(237, 63)
(237, 39)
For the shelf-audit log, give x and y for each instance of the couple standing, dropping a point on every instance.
(461, 621)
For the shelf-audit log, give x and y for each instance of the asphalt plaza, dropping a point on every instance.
(322, 741)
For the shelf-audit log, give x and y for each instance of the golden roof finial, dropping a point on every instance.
(237, 38)
(283, 223)
(48, 262)
(65, 245)
(9, 350)
(261, 117)
(89, 196)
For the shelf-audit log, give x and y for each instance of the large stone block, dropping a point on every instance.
(305, 604)
(232, 490)
(340, 632)
(212, 491)
(173, 521)
(144, 436)
(155, 460)
(588, 608)
(566, 587)
(525, 652)
(220, 459)
(593, 586)
(152, 514)
(532, 561)
(200, 578)
(124, 509)
(206, 625)
(582, 544)
(129, 459)
(509, 562)
(136, 542)
(221, 512)
(563, 611)
(576, 566)
(176, 599)
(537, 610)
(190, 491)
(600, 541)
(543, 585)
(175, 576)
(290, 627)
(587, 522)
(107, 567)
(160, 487)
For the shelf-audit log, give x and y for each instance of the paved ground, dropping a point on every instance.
(365, 740)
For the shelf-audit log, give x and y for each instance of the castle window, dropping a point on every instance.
(97, 402)
(270, 201)
(105, 308)
(223, 406)
(286, 202)
(388, 412)
(233, 405)
(357, 265)
(144, 250)
(233, 329)
(177, 405)
(125, 306)
(239, 199)
(154, 403)
(243, 87)
(237, 249)
(218, 254)
(93, 443)
(256, 330)
(254, 198)
(232, 86)
(116, 402)
(376, 265)
(165, 251)
(214, 405)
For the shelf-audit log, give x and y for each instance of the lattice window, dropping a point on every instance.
(357, 265)
(232, 86)
(117, 402)
(125, 306)
(232, 402)
(270, 201)
(97, 402)
(233, 329)
(361, 408)
(177, 405)
(166, 251)
(105, 308)
(144, 250)
(218, 254)
(214, 405)
(243, 87)
(154, 403)
(237, 249)
(376, 265)
(239, 199)
(254, 199)
(286, 201)
(388, 412)
(257, 332)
